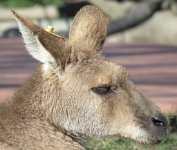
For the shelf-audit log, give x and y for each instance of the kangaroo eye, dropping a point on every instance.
(101, 90)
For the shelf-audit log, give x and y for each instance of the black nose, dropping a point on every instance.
(159, 121)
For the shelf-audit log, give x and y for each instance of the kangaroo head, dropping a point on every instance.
(85, 94)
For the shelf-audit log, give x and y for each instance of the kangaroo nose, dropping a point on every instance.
(159, 121)
(159, 125)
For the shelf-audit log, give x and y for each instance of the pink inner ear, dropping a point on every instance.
(89, 29)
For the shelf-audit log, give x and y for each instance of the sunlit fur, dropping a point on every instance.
(56, 108)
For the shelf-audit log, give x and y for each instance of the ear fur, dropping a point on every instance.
(89, 29)
(87, 34)
(42, 45)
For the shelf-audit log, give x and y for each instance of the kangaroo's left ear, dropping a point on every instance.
(42, 45)
(89, 29)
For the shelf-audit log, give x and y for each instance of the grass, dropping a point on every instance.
(28, 3)
(170, 143)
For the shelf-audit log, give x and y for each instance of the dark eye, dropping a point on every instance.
(101, 90)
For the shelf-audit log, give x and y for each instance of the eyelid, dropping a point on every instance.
(104, 89)
(101, 90)
(112, 87)
(104, 85)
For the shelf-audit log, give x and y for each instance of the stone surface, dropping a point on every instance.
(159, 29)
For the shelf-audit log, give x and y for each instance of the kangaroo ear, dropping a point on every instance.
(42, 45)
(89, 29)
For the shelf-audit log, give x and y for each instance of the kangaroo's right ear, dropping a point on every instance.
(42, 45)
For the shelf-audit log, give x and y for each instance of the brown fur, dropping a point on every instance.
(57, 108)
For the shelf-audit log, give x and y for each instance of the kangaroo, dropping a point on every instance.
(75, 94)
